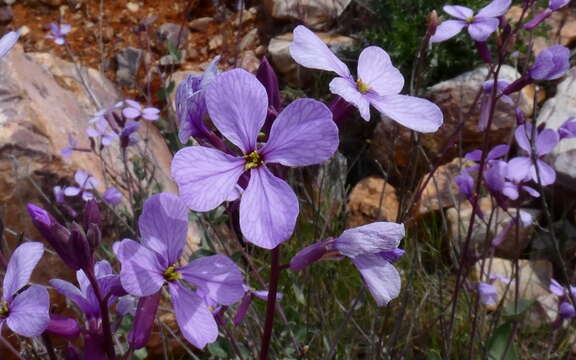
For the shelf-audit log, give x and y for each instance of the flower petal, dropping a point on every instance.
(73, 293)
(217, 276)
(546, 141)
(237, 103)
(447, 30)
(303, 134)
(482, 28)
(206, 177)
(142, 273)
(195, 320)
(459, 12)
(190, 109)
(523, 134)
(370, 239)
(346, 88)
(495, 9)
(546, 172)
(519, 168)
(415, 113)
(376, 70)
(268, 209)
(381, 277)
(310, 51)
(164, 225)
(29, 312)
(131, 113)
(22, 262)
(8, 41)
(71, 191)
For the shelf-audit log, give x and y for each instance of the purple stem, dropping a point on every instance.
(271, 303)
(107, 330)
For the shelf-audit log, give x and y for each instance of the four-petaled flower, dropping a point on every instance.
(480, 26)
(58, 32)
(154, 262)
(379, 82)
(134, 110)
(86, 183)
(303, 134)
(25, 312)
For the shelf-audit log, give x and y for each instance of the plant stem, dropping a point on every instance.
(107, 330)
(271, 303)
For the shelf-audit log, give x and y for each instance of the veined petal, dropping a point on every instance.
(8, 41)
(347, 89)
(268, 209)
(73, 293)
(370, 239)
(522, 135)
(495, 9)
(22, 262)
(482, 28)
(211, 72)
(519, 168)
(546, 141)
(415, 113)
(71, 191)
(546, 172)
(459, 12)
(206, 177)
(237, 103)
(376, 70)
(195, 320)
(29, 312)
(164, 225)
(190, 108)
(303, 134)
(381, 277)
(308, 50)
(217, 276)
(141, 273)
(447, 30)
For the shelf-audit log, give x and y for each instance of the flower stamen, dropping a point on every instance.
(171, 274)
(253, 160)
(4, 310)
(362, 86)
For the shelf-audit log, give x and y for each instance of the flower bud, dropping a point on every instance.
(92, 214)
(268, 78)
(144, 320)
(80, 247)
(94, 237)
(62, 326)
(308, 256)
(432, 23)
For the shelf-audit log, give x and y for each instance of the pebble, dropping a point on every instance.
(133, 7)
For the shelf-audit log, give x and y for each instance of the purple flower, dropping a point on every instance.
(101, 129)
(553, 5)
(372, 248)
(522, 168)
(112, 196)
(84, 296)
(191, 104)
(86, 183)
(488, 294)
(480, 26)
(25, 312)
(72, 145)
(303, 134)
(134, 110)
(59, 194)
(58, 32)
(568, 129)
(154, 262)
(128, 133)
(8, 41)
(65, 327)
(379, 82)
(551, 63)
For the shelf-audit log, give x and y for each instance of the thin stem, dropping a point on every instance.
(10, 347)
(103, 303)
(271, 303)
(49, 346)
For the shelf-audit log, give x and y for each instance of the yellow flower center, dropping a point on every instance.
(253, 160)
(470, 19)
(4, 310)
(171, 274)
(362, 86)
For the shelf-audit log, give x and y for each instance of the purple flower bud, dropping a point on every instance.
(243, 308)
(268, 78)
(568, 129)
(62, 326)
(341, 109)
(94, 236)
(308, 255)
(92, 214)
(488, 294)
(551, 63)
(566, 310)
(72, 353)
(538, 19)
(80, 247)
(517, 85)
(484, 51)
(144, 320)
(112, 196)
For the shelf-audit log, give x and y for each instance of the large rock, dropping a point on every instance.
(510, 247)
(279, 51)
(372, 199)
(554, 113)
(316, 14)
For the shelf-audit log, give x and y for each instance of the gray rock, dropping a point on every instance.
(316, 14)
(129, 60)
(554, 113)
(249, 41)
(174, 34)
(200, 24)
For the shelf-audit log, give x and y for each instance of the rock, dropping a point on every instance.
(171, 60)
(246, 17)
(455, 96)
(200, 24)
(441, 190)
(534, 276)
(562, 30)
(260, 50)
(6, 15)
(249, 41)
(554, 113)
(216, 42)
(316, 14)
(249, 61)
(43, 100)
(129, 60)
(278, 48)
(174, 34)
(132, 7)
(372, 199)
(459, 220)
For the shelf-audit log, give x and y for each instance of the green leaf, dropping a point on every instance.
(165, 92)
(216, 350)
(501, 345)
(512, 310)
